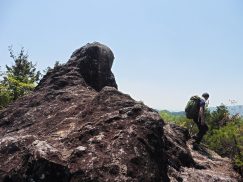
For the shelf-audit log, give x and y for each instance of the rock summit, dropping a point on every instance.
(76, 126)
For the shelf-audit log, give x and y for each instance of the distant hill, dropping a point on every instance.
(237, 109)
(179, 113)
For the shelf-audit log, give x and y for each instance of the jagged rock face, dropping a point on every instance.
(95, 62)
(104, 136)
(76, 126)
(67, 131)
(186, 164)
(89, 65)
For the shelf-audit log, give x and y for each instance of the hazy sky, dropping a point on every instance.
(165, 50)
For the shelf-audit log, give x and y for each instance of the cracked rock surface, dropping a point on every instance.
(76, 126)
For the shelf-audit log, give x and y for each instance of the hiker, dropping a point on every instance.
(195, 110)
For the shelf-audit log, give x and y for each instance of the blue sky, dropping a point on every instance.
(165, 50)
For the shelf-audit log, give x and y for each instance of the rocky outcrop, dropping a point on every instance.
(89, 65)
(186, 164)
(76, 126)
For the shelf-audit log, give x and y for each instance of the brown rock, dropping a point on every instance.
(76, 126)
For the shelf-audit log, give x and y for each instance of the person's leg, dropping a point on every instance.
(195, 137)
(202, 131)
(203, 128)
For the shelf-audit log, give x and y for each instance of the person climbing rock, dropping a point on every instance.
(195, 110)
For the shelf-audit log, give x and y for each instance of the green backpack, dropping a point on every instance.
(192, 107)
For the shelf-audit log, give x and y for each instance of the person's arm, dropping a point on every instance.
(201, 115)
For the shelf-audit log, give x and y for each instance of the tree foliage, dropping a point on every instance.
(219, 117)
(19, 79)
(5, 97)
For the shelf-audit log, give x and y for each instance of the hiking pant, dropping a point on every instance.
(202, 130)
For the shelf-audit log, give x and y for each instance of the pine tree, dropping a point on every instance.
(219, 117)
(19, 79)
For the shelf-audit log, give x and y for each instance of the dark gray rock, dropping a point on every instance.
(94, 62)
(89, 65)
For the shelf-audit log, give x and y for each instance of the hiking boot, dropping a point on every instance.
(195, 145)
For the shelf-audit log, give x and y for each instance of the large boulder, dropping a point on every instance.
(89, 65)
(94, 62)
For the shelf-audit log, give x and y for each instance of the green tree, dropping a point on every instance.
(219, 117)
(56, 65)
(228, 140)
(225, 135)
(19, 79)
